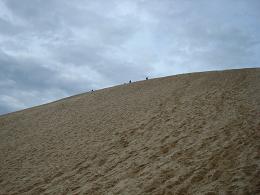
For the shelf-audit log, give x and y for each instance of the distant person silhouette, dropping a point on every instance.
(92, 90)
(146, 78)
(130, 81)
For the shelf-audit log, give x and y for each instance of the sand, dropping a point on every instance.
(195, 133)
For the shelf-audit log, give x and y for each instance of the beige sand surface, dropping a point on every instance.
(188, 134)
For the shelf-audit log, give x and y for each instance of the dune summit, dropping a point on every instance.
(187, 134)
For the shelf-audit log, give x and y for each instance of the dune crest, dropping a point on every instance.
(187, 134)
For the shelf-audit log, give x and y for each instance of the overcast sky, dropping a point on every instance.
(50, 49)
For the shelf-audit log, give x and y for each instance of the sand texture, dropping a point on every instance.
(187, 134)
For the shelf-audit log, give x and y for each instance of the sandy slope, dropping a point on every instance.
(188, 134)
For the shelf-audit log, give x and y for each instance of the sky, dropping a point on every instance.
(50, 49)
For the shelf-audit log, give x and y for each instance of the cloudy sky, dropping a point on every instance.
(50, 49)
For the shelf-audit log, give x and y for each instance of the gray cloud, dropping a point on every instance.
(51, 49)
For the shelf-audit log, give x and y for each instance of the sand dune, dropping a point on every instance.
(188, 134)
